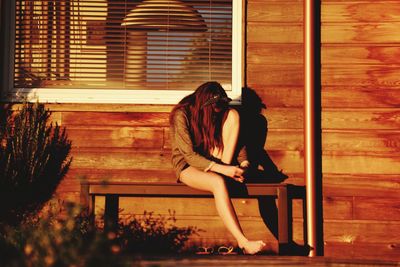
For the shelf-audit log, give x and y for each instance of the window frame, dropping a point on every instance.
(110, 96)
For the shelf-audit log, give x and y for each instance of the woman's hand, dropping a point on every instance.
(234, 172)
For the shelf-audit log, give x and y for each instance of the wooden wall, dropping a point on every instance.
(360, 113)
(360, 120)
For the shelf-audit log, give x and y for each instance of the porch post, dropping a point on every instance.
(311, 111)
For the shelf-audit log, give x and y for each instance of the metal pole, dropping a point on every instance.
(309, 124)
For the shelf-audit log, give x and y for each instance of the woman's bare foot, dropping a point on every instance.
(252, 247)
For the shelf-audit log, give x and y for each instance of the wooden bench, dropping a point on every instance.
(113, 190)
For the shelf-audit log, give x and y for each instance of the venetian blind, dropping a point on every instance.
(117, 44)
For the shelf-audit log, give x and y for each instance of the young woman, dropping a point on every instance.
(204, 134)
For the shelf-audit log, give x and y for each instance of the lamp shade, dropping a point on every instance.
(164, 15)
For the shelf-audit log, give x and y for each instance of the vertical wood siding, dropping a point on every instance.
(360, 121)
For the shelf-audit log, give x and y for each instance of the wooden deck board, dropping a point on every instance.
(259, 261)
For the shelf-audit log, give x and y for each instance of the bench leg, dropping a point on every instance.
(111, 212)
(283, 230)
(87, 202)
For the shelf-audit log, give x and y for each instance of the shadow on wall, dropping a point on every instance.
(254, 131)
(253, 135)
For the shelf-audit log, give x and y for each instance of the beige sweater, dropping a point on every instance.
(182, 146)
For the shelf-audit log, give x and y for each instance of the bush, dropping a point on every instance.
(33, 161)
(57, 239)
(67, 238)
(147, 234)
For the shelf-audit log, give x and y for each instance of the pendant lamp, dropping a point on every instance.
(164, 15)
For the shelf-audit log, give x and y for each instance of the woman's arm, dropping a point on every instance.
(228, 170)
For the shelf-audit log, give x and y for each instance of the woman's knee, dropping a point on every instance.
(209, 181)
(218, 183)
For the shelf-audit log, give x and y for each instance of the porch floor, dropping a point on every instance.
(234, 260)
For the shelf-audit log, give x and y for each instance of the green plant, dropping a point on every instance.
(63, 236)
(58, 237)
(34, 158)
(147, 234)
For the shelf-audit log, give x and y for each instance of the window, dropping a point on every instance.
(123, 51)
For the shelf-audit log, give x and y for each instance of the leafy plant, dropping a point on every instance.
(149, 234)
(57, 239)
(34, 158)
(65, 237)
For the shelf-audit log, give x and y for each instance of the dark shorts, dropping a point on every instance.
(184, 168)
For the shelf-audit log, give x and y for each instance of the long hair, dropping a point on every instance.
(205, 118)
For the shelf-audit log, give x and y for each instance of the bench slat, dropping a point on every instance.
(174, 189)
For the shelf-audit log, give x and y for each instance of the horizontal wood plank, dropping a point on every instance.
(359, 97)
(378, 76)
(339, 250)
(116, 136)
(274, 33)
(367, 119)
(74, 177)
(96, 107)
(331, 54)
(332, 118)
(277, 96)
(121, 159)
(333, 96)
(115, 118)
(361, 140)
(379, 163)
(364, 185)
(274, 54)
(121, 175)
(333, 33)
(381, 76)
(360, 11)
(337, 208)
(275, 11)
(275, 75)
(373, 32)
(360, 252)
(361, 231)
(372, 208)
(377, 250)
(355, 54)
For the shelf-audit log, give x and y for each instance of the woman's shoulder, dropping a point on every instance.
(232, 113)
(180, 114)
(182, 111)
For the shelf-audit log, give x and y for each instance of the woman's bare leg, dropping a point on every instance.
(212, 182)
(230, 134)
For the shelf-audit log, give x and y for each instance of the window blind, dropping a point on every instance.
(117, 44)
